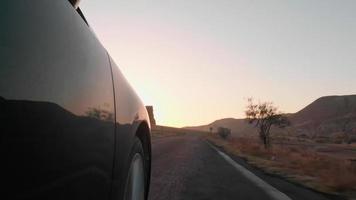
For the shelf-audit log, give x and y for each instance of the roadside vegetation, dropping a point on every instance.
(300, 165)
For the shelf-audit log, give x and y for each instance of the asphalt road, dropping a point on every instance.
(186, 167)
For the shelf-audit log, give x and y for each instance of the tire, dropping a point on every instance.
(135, 187)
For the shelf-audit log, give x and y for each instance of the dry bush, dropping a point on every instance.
(337, 175)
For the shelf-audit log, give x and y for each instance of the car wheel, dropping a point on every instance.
(135, 183)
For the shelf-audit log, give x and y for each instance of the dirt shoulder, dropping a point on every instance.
(296, 164)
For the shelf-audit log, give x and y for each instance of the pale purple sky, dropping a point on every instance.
(197, 61)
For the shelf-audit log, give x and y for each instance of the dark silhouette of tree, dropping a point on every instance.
(265, 115)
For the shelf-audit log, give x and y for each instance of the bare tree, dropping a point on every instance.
(264, 116)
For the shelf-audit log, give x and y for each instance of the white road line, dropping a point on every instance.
(270, 190)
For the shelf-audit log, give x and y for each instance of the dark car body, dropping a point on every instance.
(68, 117)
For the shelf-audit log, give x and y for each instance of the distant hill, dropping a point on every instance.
(325, 116)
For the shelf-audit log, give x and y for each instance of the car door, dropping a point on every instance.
(56, 104)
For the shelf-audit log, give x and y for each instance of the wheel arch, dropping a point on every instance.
(143, 133)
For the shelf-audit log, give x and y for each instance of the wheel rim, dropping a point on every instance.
(135, 187)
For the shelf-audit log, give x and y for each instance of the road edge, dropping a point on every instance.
(269, 189)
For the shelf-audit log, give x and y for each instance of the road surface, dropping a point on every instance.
(187, 167)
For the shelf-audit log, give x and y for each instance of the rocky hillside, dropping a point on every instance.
(327, 116)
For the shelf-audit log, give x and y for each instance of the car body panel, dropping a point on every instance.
(57, 105)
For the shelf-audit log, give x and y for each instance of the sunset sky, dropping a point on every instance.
(199, 60)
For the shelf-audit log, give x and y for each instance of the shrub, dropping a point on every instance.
(224, 132)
